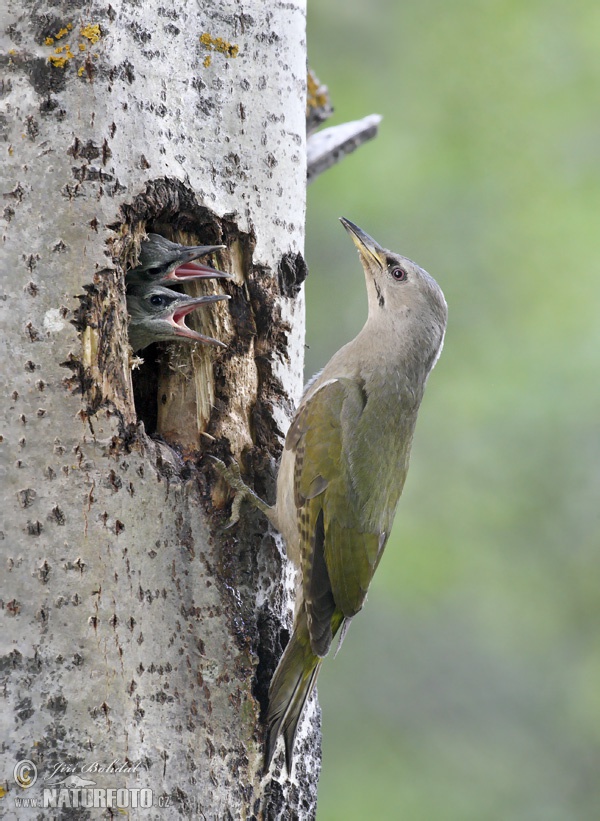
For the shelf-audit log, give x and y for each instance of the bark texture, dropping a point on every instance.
(132, 629)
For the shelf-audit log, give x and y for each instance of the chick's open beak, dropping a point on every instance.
(196, 270)
(177, 319)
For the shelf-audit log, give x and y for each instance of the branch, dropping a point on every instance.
(326, 148)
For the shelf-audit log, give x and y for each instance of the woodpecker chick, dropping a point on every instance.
(163, 261)
(157, 314)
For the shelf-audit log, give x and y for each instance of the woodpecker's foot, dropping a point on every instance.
(233, 477)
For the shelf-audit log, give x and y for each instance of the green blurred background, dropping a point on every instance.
(469, 686)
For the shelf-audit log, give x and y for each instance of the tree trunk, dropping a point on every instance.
(133, 630)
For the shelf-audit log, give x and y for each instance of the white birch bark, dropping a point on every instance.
(132, 631)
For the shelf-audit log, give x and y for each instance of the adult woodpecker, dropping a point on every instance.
(343, 468)
(161, 261)
(157, 314)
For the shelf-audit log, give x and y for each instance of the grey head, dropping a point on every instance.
(161, 260)
(157, 314)
(406, 305)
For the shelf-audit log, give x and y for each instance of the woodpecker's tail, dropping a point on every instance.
(292, 684)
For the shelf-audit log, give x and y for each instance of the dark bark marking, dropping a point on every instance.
(292, 272)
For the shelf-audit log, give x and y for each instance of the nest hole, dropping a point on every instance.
(188, 224)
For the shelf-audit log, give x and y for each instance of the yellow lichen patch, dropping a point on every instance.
(49, 41)
(61, 56)
(220, 45)
(207, 61)
(63, 31)
(317, 95)
(91, 32)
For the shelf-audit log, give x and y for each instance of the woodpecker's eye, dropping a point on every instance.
(158, 300)
(399, 274)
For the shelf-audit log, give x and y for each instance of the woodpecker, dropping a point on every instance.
(157, 314)
(162, 261)
(343, 468)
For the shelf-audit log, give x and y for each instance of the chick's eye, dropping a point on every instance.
(399, 274)
(157, 300)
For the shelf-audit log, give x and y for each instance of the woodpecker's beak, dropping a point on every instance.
(369, 250)
(177, 319)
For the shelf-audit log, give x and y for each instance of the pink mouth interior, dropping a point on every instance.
(179, 315)
(193, 269)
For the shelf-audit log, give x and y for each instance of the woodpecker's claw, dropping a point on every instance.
(233, 478)
(232, 475)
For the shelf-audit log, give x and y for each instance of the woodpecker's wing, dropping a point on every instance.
(339, 553)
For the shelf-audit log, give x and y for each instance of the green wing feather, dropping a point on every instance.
(339, 551)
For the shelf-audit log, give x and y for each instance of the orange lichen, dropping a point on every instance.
(61, 56)
(49, 41)
(317, 94)
(91, 32)
(219, 44)
(63, 31)
(207, 61)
